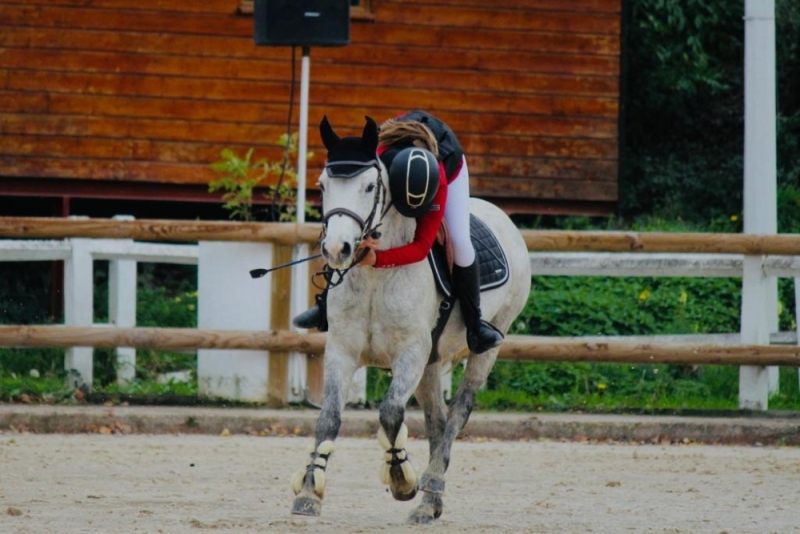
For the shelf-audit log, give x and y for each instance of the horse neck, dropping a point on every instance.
(396, 230)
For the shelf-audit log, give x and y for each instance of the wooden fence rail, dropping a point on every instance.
(703, 243)
(160, 338)
(158, 230)
(283, 341)
(291, 234)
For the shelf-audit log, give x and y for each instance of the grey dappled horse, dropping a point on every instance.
(384, 317)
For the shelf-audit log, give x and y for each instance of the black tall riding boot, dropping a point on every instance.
(316, 316)
(481, 336)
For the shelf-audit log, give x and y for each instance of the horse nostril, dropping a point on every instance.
(346, 249)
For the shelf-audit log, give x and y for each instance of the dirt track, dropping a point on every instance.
(192, 484)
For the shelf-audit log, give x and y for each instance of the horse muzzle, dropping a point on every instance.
(339, 255)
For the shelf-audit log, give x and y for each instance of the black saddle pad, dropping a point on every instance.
(488, 253)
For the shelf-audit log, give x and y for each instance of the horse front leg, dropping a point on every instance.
(397, 471)
(308, 483)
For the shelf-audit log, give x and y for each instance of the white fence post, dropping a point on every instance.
(760, 189)
(447, 384)
(358, 387)
(79, 310)
(797, 315)
(229, 299)
(122, 306)
(298, 363)
(754, 380)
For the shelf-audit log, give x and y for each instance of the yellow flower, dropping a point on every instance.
(734, 218)
(601, 385)
(684, 297)
(644, 295)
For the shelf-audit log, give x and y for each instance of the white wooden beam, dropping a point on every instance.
(79, 310)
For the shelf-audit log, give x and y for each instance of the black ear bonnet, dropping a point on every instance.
(350, 156)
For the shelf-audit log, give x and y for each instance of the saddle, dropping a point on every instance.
(488, 253)
(492, 262)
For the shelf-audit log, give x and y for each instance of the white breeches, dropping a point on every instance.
(456, 213)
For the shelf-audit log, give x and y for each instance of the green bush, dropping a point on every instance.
(166, 297)
(583, 306)
(580, 306)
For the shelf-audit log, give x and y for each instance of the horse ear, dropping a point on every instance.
(329, 137)
(369, 138)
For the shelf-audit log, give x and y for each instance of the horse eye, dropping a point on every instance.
(370, 188)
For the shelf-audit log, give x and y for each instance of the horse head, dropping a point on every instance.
(353, 192)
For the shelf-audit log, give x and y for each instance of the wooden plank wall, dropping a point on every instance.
(152, 90)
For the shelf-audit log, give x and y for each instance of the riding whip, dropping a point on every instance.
(258, 273)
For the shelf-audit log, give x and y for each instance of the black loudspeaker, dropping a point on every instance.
(301, 22)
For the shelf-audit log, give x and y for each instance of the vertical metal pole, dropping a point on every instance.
(299, 301)
(759, 293)
(302, 142)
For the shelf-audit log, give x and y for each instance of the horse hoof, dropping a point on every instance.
(420, 517)
(428, 511)
(399, 496)
(305, 505)
(432, 485)
(402, 490)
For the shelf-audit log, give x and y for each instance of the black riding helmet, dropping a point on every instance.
(413, 179)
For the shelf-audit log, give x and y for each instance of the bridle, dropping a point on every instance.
(368, 225)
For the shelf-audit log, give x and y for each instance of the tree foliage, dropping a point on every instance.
(684, 107)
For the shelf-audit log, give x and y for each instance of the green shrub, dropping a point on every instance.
(582, 306)
(166, 297)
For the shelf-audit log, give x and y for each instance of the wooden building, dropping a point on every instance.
(107, 102)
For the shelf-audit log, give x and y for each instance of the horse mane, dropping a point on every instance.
(415, 133)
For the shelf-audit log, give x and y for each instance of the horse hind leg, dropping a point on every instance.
(308, 484)
(432, 480)
(429, 395)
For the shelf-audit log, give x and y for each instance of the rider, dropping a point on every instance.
(453, 193)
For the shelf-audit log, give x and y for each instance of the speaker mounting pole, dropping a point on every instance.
(302, 148)
(299, 294)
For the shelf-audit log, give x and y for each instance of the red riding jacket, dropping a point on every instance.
(427, 227)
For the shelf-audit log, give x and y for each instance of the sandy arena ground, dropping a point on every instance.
(194, 484)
